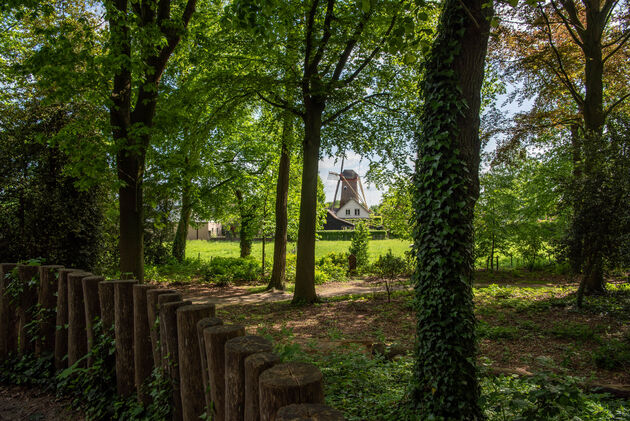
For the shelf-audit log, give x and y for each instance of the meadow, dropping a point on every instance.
(205, 250)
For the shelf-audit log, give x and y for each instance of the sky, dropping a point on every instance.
(354, 162)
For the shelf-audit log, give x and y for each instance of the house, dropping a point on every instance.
(352, 209)
(204, 230)
(352, 205)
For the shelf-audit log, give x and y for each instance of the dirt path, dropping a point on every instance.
(244, 295)
(19, 403)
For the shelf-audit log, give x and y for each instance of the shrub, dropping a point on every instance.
(225, 270)
(613, 355)
(332, 267)
(359, 245)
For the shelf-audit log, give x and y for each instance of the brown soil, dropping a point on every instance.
(18, 403)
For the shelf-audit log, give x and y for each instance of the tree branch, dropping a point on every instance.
(325, 37)
(343, 58)
(567, 25)
(310, 22)
(282, 104)
(624, 39)
(349, 106)
(567, 80)
(614, 104)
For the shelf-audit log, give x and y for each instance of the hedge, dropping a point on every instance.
(346, 235)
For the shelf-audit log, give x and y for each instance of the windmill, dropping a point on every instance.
(350, 187)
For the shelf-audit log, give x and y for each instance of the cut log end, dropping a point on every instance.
(308, 412)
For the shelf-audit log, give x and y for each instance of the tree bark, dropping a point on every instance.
(236, 350)
(106, 301)
(215, 338)
(255, 364)
(289, 383)
(77, 334)
(278, 272)
(47, 301)
(123, 321)
(8, 326)
(61, 334)
(92, 309)
(179, 243)
(305, 265)
(152, 315)
(201, 326)
(170, 350)
(142, 350)
(26, 308)
(445, 383)
(190, 367)
(246, 231)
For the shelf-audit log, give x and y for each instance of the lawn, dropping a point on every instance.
(205, 250)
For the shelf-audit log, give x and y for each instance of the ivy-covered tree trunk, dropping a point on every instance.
(246, 232)
(305, 264)
(278, 272)
(179, 243)
(446, 186)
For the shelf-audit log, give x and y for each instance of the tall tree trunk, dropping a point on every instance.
(246, 233)
(278, 272)
(131, 243)
(305, 265)
(445, 384)
(179, 243)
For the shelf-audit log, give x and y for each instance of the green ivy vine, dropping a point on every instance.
(445, 384)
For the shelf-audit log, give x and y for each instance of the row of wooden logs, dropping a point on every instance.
(210, 364)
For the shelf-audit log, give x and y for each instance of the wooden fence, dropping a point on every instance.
(211, 365)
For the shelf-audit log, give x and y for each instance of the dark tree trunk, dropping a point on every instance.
(179, 243)
(131, 243)
(305, 265)
(445, 378)
(282, 195)
(246, 231)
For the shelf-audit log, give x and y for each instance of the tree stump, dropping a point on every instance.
(27, 308)
(308, 411)
(255, 364)
(77, 334)
(61, 323)
(123, 321)
(92, 309)
(288, 383)
(47, 301)
(163, 299)
(236, 350)
(215, 338)
(106, 301)
(169, 347)
(8, 320)
(152, 315)
(201, 325)
(143, 354)
(190, 373)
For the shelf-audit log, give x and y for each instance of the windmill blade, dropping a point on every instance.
(332, 176)
(332, 205)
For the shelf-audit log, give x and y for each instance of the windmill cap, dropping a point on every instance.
(349, 174)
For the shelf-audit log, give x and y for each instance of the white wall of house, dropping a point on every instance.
(352, 209)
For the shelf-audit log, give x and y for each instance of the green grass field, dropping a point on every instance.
(204, 250)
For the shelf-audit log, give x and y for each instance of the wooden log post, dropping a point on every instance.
(215, 338)
(8, 315)
(236, 350)
(255, 364)
(61, 328)
(106, 301)
(143, 354)
(47, 302)
(190, 372)
(201, 325)
(169, 347)
(27, 307)
(308, 411)
(152, 314)
(162, 300)
(284, 384)
(123, 327)
(77, 334)
(92, 307)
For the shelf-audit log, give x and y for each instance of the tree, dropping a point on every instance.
(359, 244)
(396, 208)
(150, 28)
(577, 52)
(446, 187)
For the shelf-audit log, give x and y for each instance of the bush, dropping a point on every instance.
(346, 235)
(613, 355)
(332, 267)
(359, 245)
(225, 270)
(390, 266)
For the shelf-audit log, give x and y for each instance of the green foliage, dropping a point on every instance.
(225, 270)
(613, 354)
(331, 267)
(391, 266)
(359, 244)
(485, 330)
(396, 208)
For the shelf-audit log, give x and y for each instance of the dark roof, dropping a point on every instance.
(348, 174)
(335, 223)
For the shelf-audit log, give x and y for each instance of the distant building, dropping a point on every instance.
(204, 231)
(351, 204)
